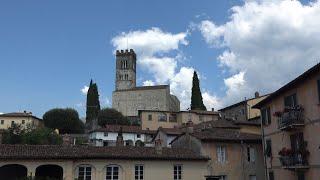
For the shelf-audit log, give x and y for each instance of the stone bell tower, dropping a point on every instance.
(125, 69)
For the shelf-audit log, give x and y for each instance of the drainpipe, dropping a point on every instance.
(263, 149)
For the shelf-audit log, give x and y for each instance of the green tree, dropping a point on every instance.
(93, 103)
(196, 96)
(111, 116)
(13, 135)
(65, 120)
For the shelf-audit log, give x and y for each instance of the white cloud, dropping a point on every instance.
(1, 112)
(84, 90)
(148, 83)
(267, 43)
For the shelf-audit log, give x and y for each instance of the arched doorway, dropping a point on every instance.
(52, 172)
(13, 171)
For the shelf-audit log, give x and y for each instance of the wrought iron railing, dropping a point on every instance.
(297, 159)
(291, 117)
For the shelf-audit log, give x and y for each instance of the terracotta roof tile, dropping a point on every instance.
(90, 152)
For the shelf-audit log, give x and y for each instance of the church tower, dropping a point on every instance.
(125, 69)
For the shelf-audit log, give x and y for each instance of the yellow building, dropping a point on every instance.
(290, 118)
(153, 119)
(98, 163)
(21, 118)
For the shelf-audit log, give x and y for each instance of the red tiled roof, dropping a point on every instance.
(221, 123)
(19, 114)
(171, 131)
(17, 152)
(125, 129)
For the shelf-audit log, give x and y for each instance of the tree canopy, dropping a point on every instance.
(111, 116)
(65, 120)
(93, 103)
(196, 96)
(30, 135)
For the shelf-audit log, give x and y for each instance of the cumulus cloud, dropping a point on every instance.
(84, 90)
(266, 44)
(159, 54)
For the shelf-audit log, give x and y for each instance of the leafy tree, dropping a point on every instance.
(93, 104)
(65, 120)
(111, 116)
(30, 135)
(196, 96)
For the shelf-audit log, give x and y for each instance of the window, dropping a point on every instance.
(177, 172)
(252, 177)
(112, 173)
(150, 117)
(105, 134)
(290, 101)
(221, 154)
(266, 116)
(301, 176)
(251, 154)
(12, 123)
(23, 122)
(138, 135)
(138, 172)
(318, 83)
(84, 173)
(105, 143)
(223, 177)
(173, 118)
(268, 150)
(2, 121)
(271, 176)
(162, 117)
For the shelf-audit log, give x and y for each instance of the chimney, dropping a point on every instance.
(120, 141)
(212, 109)
(158, 146)
(66, 140)
(256, 94)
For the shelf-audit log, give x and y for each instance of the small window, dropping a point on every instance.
(223, 177)
(177, 172)
(138, 135)
(12, 123)
(290, 101)
(251, 154)
(221, 154)
(173, 117)
(138, 172)
(252, 177)
(105, 134)
(23, 122)
(150, 117)
(162, 117)
(84, 173)
(112, 173)
(268, 148)
(2, 121)
(271, 176)
(266, 116)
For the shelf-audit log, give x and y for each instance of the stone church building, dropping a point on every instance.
(129, 99)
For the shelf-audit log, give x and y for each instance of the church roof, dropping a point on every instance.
(145, 88)
(15, 152)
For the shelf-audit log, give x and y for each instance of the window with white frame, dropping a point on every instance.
(84, 172)
(105, 134)
(138, 172)
(112, 172)
(251, 157)
(221, 154)
(177, 172)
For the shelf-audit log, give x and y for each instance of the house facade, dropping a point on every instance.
(107, 136)
(19, 118)
(153, 119)
(234, 155)
(96, 163)
(291, 123)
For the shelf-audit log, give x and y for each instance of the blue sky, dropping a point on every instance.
(49, 50)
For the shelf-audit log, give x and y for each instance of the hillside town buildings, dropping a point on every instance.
(19, 118)
(291, 124)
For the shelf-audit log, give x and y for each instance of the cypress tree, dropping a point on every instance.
(196, 96)
(93, 103)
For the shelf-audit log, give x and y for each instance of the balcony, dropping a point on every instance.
(291, 118)
(296, 161)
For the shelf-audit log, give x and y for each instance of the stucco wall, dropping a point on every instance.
(155, 170)
(18, 120)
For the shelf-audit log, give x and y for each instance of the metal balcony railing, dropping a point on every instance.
(291, 118)
(296, 160)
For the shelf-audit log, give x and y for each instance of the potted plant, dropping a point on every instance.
(277, 114)
(285, 155)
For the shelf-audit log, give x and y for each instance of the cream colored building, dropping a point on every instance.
(21, 118)
(100, 163)
(234, 155)
(291, 120)
(153, 119)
